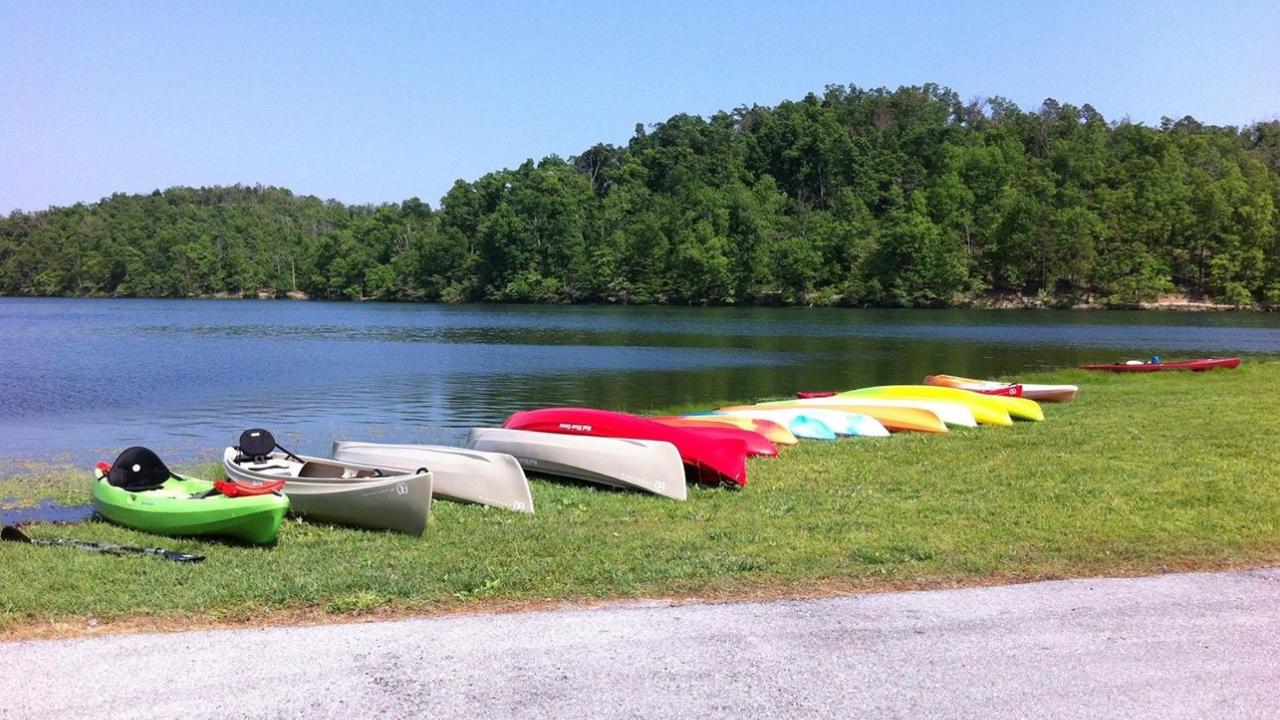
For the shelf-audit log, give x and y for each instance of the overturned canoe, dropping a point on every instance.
(340, 492)
(777, 433)
(715, 460)
(1032, 391)
(485, 478)
(647, 465)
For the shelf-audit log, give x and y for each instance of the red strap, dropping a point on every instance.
(1005, 391)
(240, 488)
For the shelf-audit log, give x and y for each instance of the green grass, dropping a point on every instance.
(1140, 474)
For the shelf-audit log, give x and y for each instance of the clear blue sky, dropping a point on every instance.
(373, 102)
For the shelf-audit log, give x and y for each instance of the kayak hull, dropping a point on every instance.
(894, 419)
(460, 474)
(776, 433)
(647, 465)
(1193, 365)
(799, 425)
(172, 510)
(950, 413)
(344, 493)
(841, 422)
(714, 460)
(997, 410)
(757, 444)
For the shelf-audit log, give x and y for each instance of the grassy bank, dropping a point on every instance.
(1141, 474)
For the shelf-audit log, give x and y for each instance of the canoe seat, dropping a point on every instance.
(312, 469)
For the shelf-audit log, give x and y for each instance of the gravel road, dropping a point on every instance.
(1204, 645)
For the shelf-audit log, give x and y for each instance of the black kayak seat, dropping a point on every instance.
(257, 443)
(138, 469)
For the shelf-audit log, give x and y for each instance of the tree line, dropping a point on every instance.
(908, 197)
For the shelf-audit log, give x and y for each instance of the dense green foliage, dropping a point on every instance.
(907, 197)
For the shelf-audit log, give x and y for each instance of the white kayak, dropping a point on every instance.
(948, 412)
(1031, 391)
(647, 465)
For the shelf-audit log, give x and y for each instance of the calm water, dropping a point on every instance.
(82, 379)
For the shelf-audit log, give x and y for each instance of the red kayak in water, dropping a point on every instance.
(715, 460)
(1194, 365)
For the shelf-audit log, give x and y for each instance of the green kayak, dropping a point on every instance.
(139, 492)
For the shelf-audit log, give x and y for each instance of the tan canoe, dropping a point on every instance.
(341, 492)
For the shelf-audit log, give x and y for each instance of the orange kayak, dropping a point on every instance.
(894, 419)
(777, 434)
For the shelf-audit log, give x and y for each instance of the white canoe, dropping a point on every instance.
(462, 474)
(341, 492)
(948, 412)
(1049, 393)
(1031, 391)
(646, 465)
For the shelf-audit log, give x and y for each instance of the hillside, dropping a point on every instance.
(909, 197)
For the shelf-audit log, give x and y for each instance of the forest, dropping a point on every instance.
(855, 197)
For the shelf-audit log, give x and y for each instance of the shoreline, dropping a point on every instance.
(998, 301)
(1095, 490)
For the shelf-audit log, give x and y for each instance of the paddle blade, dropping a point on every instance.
(13, 534)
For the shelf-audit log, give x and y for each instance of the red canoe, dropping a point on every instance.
(1196, 365)
(811, 394)
(715, 460)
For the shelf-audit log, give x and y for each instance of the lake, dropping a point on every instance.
(82, 379)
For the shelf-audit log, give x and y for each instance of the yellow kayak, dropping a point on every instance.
(895, 419)
(1010, 407)
(777, 434)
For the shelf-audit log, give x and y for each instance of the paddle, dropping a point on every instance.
(13, 534)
